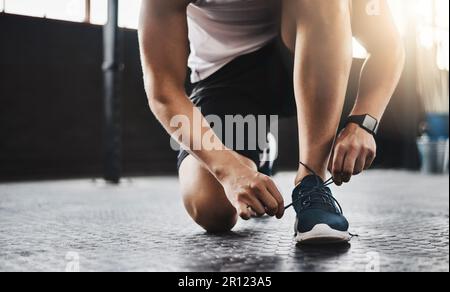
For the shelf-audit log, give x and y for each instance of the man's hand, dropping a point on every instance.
(355, 151)
(251, 193)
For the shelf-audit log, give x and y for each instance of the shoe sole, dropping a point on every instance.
(323, 234)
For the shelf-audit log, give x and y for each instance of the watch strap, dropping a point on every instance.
(366, 122)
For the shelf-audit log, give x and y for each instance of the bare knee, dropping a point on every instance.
(211, 216)
(204, 197)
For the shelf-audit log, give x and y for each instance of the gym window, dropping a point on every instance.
(430, 20)
(429, 16)
(71, 10)
(90, 11)
(433, 29)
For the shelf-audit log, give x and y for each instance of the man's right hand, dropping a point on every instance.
(253, 194)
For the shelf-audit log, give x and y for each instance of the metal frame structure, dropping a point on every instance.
(87, 11)
(112, 70)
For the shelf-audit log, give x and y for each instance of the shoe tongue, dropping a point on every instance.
(311, 181)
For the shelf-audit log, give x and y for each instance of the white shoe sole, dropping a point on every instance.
(323, 234)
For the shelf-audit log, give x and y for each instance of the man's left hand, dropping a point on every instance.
(354, 151)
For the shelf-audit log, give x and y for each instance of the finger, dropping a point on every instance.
(359, 164)
(256, 205)
(268, 201)
(278, 198)
(370, 158)
(244, 211)
(252, 213)
(338, 161)
(349, 166)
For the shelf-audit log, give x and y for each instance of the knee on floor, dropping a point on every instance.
(211, 216)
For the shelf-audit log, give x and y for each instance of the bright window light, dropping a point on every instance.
(442, 17)
(2, 5)
(399, 12)
(129, 13)
(26, 7)
(432, 18)
(99, 11)
(71, 10)
(359, 52)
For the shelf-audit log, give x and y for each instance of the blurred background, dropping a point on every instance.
(72, 101)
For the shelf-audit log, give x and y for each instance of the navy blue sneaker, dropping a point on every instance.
(320, 219)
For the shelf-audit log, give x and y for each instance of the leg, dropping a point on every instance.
(204, 197)
(319, 32)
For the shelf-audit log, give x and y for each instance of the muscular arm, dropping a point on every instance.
(376, 31)
(355, 148)
(163, 40)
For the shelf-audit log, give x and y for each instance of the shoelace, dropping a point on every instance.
(321, 191)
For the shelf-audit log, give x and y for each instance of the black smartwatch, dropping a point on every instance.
(367, 122)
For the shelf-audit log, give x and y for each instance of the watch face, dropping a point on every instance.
(370, 123)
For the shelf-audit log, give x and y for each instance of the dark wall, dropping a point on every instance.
(51, 107)
(51, 103)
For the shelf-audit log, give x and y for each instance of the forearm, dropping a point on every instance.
(382, 70)
(186, 125)
(379, 78)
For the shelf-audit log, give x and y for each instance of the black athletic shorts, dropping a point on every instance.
(258, 83)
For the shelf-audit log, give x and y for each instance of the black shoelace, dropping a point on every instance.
(318, 194)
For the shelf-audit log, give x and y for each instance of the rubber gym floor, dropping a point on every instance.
(401, 219)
